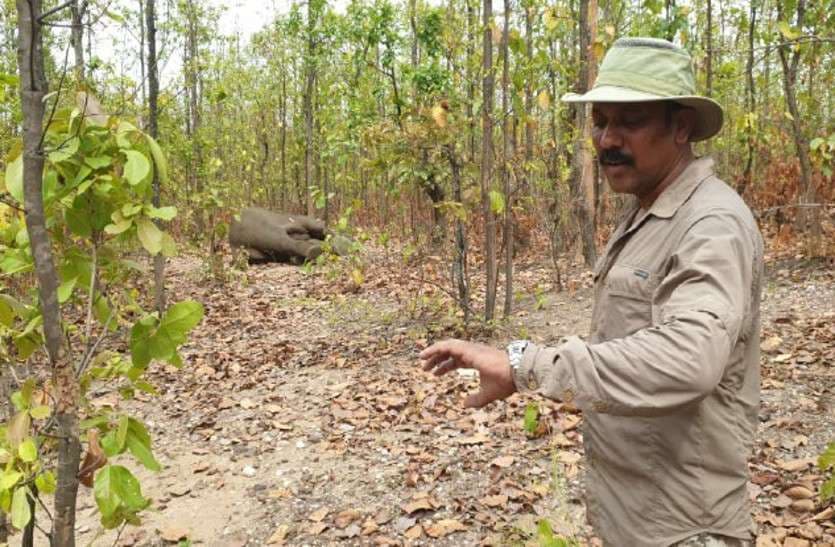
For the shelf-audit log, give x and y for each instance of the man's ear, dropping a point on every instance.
(685, 125)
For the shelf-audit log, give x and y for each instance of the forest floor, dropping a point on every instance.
(302, 416)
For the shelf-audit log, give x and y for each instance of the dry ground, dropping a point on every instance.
(301, 416)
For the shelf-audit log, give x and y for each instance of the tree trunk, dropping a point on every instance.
(153, 113)
(583, 173)
(283, 140)
(507, 153)
(709, 50)
(77, 37)
(487, 162)
(192, 82)
(33, 87)
(808, 219)
(459, 265)
(309, 90)
(750, 104)
(472, 23)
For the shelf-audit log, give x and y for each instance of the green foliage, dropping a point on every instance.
(531, 420)
(97, 199)
(545, 537)
(826, 463)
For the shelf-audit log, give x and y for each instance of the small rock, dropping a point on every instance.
(249, 471)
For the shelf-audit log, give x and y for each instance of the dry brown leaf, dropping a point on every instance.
(826, 514)
(346, 517)
(474, 439)
(797, 465)
(94, 459)
(799, 493)
(771, 344)
(173, 533)
(369, 527)
(796, 542)
(444, 527)
(424, 504)
(317, 528)
(503, 461)
(803, 506)
(499, 500)
(415, 532)
(319, 515)
(279, 535)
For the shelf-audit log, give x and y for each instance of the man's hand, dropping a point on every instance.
(491, 363)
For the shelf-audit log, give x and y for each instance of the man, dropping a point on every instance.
(669, 379)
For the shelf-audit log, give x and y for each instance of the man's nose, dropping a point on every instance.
(610, 137)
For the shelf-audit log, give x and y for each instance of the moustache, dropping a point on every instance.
(615, 157)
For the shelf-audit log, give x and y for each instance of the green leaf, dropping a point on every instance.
(137, 167)
(827, 459)
(66, 150)
(176, 322)
(787, 30)
(78, 218)
(159, 159)
(21, 513)
(40, 412)
(815, 144)
(162, 213)
(14, 178)
(120, 223)
(9, 479)
(149, 235)
(140, 333)
(122, 432)
(18, 429)
(98, 162)
(496, 202)
(169, 246)
(139, 444)
(65, 289)
(46, 482)
(118, 495)
(531, 418)
(9, 309)
(827, 491)
(27, 451)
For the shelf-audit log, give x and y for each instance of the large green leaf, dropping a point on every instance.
(46, 482)
(14, 178)
(139, 444)
(176, 322)
(27, 451)
(137, 168)
(65, 150)
(9, 479)
(162, 213)
(21, 513)
(117, 494)
(149, 235)
(140, 333)
(159, 159)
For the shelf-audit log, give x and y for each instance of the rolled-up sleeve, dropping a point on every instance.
(699, 306)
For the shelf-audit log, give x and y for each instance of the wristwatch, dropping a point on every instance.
(515, 351)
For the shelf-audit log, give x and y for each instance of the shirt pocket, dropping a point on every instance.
(627, 293)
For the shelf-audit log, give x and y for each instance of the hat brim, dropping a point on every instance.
(708, 122)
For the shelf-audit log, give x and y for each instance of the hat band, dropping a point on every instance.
(640, 82)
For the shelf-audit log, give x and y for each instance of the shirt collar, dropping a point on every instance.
(679, 191)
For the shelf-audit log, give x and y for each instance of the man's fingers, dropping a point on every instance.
(446, 366)
(434, 360)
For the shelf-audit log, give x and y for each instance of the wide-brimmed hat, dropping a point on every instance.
(649, 69)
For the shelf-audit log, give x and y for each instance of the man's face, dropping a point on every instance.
(637, 144)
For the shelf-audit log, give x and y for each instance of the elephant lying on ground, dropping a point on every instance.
(281, 237)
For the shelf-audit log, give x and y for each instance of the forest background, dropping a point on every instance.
(433, 129)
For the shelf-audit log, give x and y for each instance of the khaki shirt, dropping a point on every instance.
(669, 378)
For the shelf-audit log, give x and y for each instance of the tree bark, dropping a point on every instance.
(459, 265)
(808, 218)
(153, 114)
(472, 24)
(506, 161)
(309, 90)
(77, 36)
(487, 161)
(33, 87)
(583, 173)
(750, 103)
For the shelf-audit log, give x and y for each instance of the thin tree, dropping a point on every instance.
(153, 113)
(807, 215)
(507, 153)
(487, 161)
(33, 88)
(583, 173)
